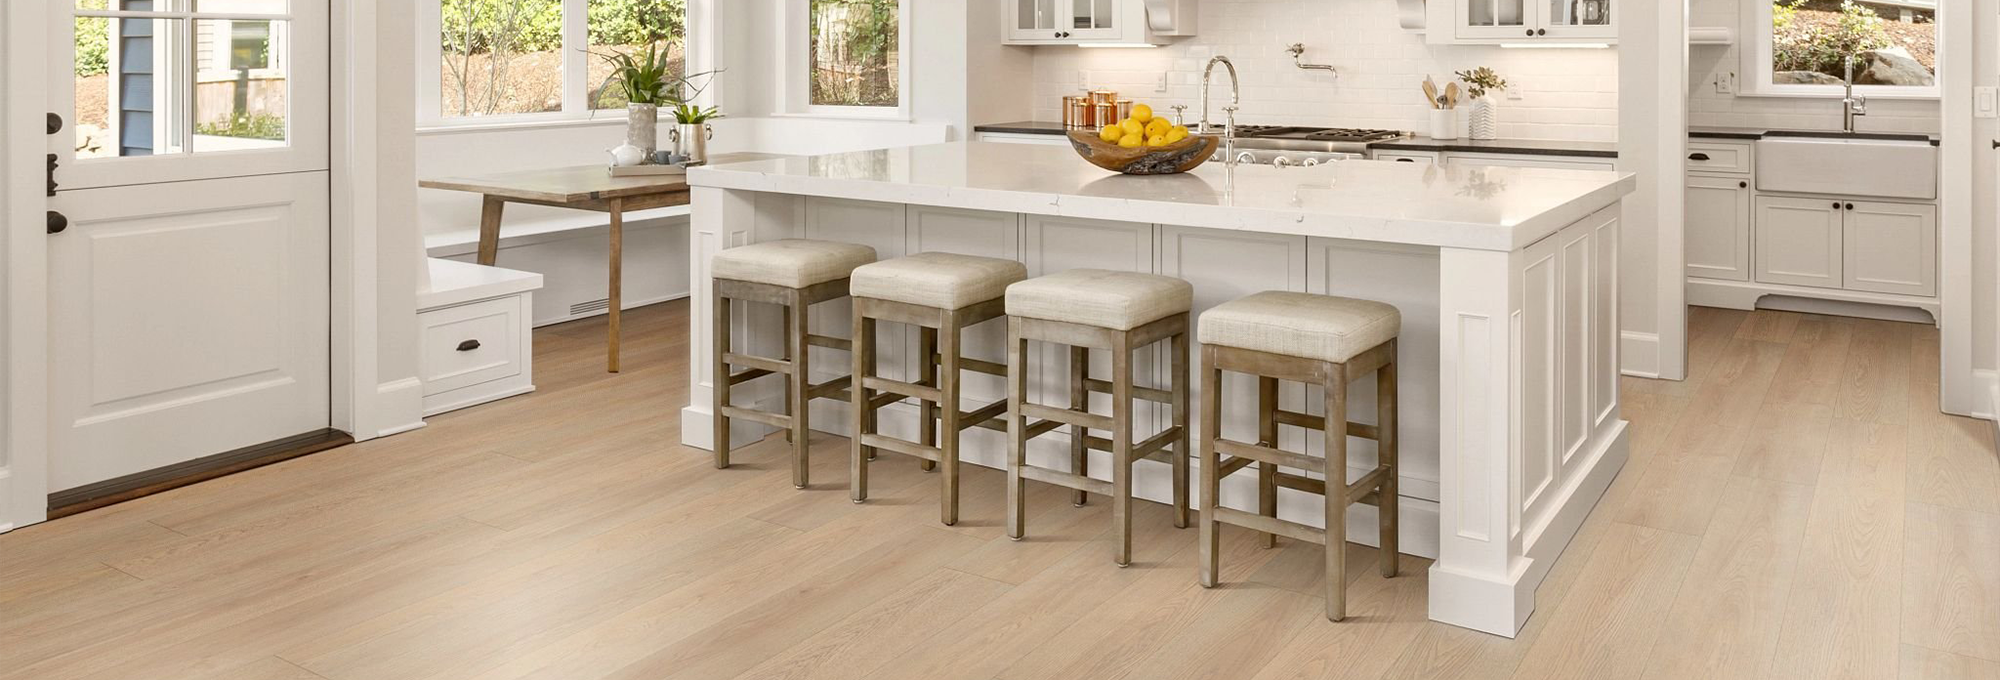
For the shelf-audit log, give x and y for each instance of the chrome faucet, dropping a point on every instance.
(1235, 91)
(1851, 104)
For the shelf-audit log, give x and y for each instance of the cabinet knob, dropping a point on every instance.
(1836, 205)
(57, 222)
(1541, 31)
(1743, 185)
(1531, 33)
(1850, 206)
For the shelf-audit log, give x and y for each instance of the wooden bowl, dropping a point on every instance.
(1180, 156)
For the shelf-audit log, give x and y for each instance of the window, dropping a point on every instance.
(133, 61)
(1803, 47)
(525, 60)
(844, 58)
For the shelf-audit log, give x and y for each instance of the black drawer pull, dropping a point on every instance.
(1406, 160)
(1743, 185)
(468, 345)
(1697, 156)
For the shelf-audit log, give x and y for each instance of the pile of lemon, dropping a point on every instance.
(1143, 129)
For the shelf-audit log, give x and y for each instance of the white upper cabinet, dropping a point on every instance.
(1521, 21)
(1084, 22)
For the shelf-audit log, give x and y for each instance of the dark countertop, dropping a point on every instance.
(1529, 147)
(1714, 132)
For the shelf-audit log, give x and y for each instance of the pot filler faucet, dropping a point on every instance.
(1851, 105)
(1229, 112)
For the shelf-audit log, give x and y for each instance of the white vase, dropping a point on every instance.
(1483, 124)
(642, 127)
(1444, 123)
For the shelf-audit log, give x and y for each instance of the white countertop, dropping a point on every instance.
(1483, 208)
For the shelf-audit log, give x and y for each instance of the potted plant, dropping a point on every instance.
(1481, 83)
(691, 130)
(646, 81)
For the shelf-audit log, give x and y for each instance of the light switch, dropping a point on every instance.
(1985, 102)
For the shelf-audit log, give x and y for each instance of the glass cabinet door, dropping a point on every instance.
(1578, 17)
(1495, 18)
(1035, 15)
(1092, 18)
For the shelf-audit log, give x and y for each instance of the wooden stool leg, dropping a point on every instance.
(785, 354)
(1267, 435)
(1385, 420)
(1211, 428)
(927, 375)
(948, 343)
(1079, 400)
(796, 393)
(1336, 493)
(864, 413)
(719, 305)
(1017, 431)
(1121, 448)
(1179, 350)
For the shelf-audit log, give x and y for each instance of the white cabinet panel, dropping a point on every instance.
(1407, 278)
(1798, 241)
(1223, 266)
(1022, 138)
(1480, 160)
(1891, 248)
(1718, 228)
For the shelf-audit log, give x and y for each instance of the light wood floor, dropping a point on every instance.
(1797, 510)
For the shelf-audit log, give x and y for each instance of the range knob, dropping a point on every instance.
(1310, 162)
(1281, 162)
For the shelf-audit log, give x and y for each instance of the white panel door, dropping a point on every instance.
(1890, 248)
(1798, 241)
(189, 290)
(1718, 228)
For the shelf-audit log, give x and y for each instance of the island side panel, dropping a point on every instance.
(722, 219)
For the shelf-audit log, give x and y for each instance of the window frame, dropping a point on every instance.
(575, 69)
(1758, 47)
(795, 68)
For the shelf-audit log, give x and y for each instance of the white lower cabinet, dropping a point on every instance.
(1798, 241)
(1023, 138)
(1718, 228)
(1890, 248)
(1478, 160)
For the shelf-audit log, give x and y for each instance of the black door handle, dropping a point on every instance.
(55, 123)
(1406, 160)
(57, 222)
(468, 345)
(1697, 156)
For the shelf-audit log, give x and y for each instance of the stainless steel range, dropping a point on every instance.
(1287, 146)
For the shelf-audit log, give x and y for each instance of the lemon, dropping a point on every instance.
(1177, 133)
(1111, 133)
(1142, 113)
(1158, 127)
(1156, 140)
(1130, 141)
(1133, 126)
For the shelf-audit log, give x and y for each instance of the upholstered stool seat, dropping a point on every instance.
(790, 263)
(1317, 340)
(1304, 325)
(1120, 301)
(794, 274)
(1116, 312)
(937, 280)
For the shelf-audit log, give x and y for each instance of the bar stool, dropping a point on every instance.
(1318, 340)
(1095, 309)
(942, 294)
(794, 273)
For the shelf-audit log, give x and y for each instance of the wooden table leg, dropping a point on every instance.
(617, 278)
(489, 229)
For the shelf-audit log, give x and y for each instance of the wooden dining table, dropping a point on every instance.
(583, 187)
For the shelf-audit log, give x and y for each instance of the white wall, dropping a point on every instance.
(399, 242)
(1566, 94)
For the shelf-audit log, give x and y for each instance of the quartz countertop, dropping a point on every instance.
(1755, 133)
(1485, 208)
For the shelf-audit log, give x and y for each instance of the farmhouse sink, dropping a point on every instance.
(1845, 166)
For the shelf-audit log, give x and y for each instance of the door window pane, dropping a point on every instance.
(124, 87)
(633, 27)
(240, 85)
(501, 57)
(243, 6)
(855, 53)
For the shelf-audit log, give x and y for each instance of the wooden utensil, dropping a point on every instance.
(1430, 92)
(1451, 95)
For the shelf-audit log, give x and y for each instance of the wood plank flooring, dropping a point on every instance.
(1798, 509)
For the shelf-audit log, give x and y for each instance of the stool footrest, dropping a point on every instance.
(1368, 485)
(1152, 447)
(1229, 467)
(1312, 422)
(1270, 525)
(1265, 454)
(749, 375)
(836, 387)
(830, 342)
(990, 413)
(1152, 394)
(898, 387)
(1035, 429)
(894, 445)
(1066, 480)
(978, 366)
(757, 362)
(1066, 416)
(782, 422)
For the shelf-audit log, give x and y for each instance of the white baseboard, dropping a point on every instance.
(1986, 394)
(399, 406)
(1639, 354)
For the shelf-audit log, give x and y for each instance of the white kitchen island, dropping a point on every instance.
(1506, 278)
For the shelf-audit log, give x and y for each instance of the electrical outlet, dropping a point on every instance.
(1516, 92)
(1083, 78)
(1161, 86)
(1725, 83)
(1985, 102)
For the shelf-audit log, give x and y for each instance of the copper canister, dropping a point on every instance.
(1077, 112)
(1124, 109)
(1103, 97)
(1105, 114)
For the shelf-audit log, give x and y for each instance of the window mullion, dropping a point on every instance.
(576, 63)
